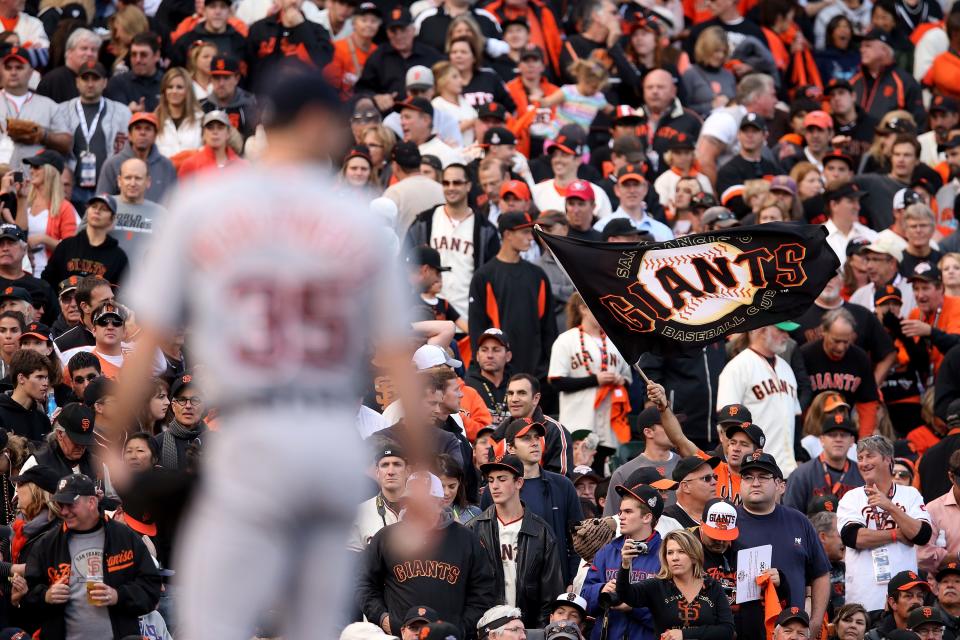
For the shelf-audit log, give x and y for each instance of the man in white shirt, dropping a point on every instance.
(419, 83)
(565, 153)
(631, 188)
(883, 268)
(842, 201)
(416, 120)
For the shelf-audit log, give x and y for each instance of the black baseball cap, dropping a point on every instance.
(879, 35)
(224, 65)
(582, 471)
(519, 427)
(418, 103)
(944, 104)
(887, 293)
(844, 190)
(67, 285)
(16, 293)
(112, 310)
(508, 462)
(953, 413)
(47, 156)
(37, 330)
(734, 413)
(651, 476)
(78, 421)
(389, 450)
(754, 120)
(762, 461)
(180, 383)
(925, 272)
(791, 614)
(41, 475)
(703, 200)
(431, 161)
(441, 631)
(837, 154)
(647, 418)
(420, 614)
(749, 429)
(493, 110)
(424, 255)
(368, 8)
(98, 389)
(518, 20)
(682, 142)
(838, 83)
(499, 135)
(13, 232)
(514, 221)
(73, 487)
(947, 568)
(688, 465)
(839, 422)
(623, 227)
(827, 502)
(399, 17)
(406, 154)
(904, 581)
(531, 52)
(924, 615)
(646, 494)
(106, 199)
(92, 67)
(570, 139)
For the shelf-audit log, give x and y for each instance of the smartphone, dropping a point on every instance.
(18, 176)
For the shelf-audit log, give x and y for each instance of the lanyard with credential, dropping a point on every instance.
(833, 488)
(84, 129)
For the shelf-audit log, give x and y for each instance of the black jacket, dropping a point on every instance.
(269, 42)
(456, 578)
(538, 564)
(486, 240)
(128, 87)
(947, 384)
(30, 533)
(75, 256)
(32, 423)
(707, 618)
(385, 71)
(128, 568)
(558, 446)
(231, 42)
(53, 457)
(78, 336)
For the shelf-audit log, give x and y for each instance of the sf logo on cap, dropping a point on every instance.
(838, 418)
(652, 501)
(734, 410)
(927, 612)
(794, 610)
(85, 424)
(421, 611)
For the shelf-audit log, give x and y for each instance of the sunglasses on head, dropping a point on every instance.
(110, 322)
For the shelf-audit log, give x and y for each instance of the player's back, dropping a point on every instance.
(283, 280)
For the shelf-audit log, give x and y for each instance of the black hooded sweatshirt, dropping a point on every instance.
(30, 423)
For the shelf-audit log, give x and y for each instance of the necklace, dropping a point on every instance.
(585, 355)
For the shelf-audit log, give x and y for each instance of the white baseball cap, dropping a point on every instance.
(430, 355)
(720, 520)
(423, 481)
(571, 600)
(886, 247)
(904, 198)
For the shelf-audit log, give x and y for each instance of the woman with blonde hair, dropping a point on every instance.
(128, 22)
(200, 55)
(379, 141)
(681, 585)
(448, 97)
(178, 114)
(708, 84)
(950, 273)
(37, 515)
(823, 406)
(877, 157)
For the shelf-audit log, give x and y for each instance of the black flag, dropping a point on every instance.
(698, 288)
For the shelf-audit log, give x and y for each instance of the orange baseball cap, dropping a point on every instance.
(144, 116)
(516, 188)
(820, 119)
(833, 402)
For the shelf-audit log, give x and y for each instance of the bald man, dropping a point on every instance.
(135, 214)
(666, 116)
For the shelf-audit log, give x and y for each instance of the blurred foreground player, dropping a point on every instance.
(283, 294)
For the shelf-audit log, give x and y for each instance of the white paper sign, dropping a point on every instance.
(750, 564)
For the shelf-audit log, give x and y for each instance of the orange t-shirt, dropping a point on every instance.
(947, 319)
(728, 480)
(345, 68)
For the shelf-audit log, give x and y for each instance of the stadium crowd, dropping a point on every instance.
(800, 480)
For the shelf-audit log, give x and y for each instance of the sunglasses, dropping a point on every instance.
(109, 322)
(454, 183)
(367, 116)
(81, 379)
(903, 474)
(707, 478)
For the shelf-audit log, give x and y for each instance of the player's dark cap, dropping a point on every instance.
(407, 154)
(839, 422)
(399, 17)
(425, 255)
(793, 614)
(15, 293)
(181, 382)
(904, 581)
(924, 615)
(291, 89)
(646, 494)
(761, 461)
(494, 333)
(946, 568)
(389, 450)
(754, 120)
(750, 430)
(734, 413)
(519, 427)
(688, 465)
(420, 614)
(515, 221)
(43, 476)
(508, 462)
(819, 504)
(73, 487)
(492, 111)
(651, 476)
(887, 293)
(499, 135)
(78, 421)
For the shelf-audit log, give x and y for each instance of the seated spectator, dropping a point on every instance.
(178, 114)
(708, 84)
(143, 129)
(227, 96)
(92, 252)
(216, 152)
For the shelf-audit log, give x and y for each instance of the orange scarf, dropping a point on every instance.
(619, 409)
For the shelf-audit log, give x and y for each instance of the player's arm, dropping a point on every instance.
(671, 426)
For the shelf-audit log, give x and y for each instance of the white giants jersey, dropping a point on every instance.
(282, 280)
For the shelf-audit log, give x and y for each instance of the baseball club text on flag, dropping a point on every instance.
(695, 289)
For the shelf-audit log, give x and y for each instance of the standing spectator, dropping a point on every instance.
(393, 579)
(187, 425)
(178, 114)
(523, 401)
(383, 509)
(136, 215)
(842, 200)
(143, 129)
(944, 518)
(835, 363)
(412, 192)
(547, 494)
(22, 411)
(762, 381)
(579, 204)
(829, 474)
(881, 187)
(524, 554)
(350, 54)
(91, 292)
(631, 189)
(60, 83)
(849, 121)
(213, 26)
(416, 120)
(122, 592)
(37, 120)
(465, 241)
(697, 485)
(433, 24)
(749, 163)
(489, 377)
(936, 319)
(240, 105)
(98, 134)
(545, 31)
(797, 552)
(878, 71)
(286, 33)
(883, 260)
(917, 223)
(513, 294)
(590, 374)
(565, 156)
(879, 519)
(92, 252)
(139, 88)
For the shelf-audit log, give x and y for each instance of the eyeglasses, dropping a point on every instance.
(761, 478)
(193, 402)
(87, 378)
(454, 183)
(106, 322)
(707, 478)
(514, 629)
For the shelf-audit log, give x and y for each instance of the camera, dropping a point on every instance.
(641, 547)
(608, 600)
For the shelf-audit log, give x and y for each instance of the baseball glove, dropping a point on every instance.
(592, 534)
(24, 131)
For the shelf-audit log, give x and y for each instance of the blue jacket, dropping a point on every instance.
(637, 624)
